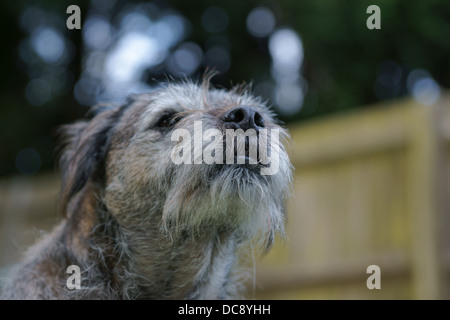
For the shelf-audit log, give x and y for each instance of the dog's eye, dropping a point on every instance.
(167, 120)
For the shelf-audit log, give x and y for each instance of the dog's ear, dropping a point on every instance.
(84, 146)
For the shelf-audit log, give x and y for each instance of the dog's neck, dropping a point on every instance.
(187, 269)
(147, 263)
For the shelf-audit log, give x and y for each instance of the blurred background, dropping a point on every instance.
(367, 110)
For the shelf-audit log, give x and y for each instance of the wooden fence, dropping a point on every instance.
(371, 188)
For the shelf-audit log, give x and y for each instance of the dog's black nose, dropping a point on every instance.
(243, 117)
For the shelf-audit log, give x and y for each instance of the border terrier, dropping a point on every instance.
(139, 225)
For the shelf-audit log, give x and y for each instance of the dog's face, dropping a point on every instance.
(164, 159)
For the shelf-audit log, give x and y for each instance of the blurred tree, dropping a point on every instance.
(50, 74)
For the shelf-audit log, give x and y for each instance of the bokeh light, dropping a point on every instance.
(260, 22)
(97, 33)
(186, 59)
(38, 92)
(119, 57)
(423, 87)
(48, 44)
(28, 161)
(388, 82)
(286, 50)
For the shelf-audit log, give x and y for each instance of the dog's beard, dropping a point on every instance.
(228, 198)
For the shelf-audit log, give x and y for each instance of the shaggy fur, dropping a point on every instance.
(141, 227)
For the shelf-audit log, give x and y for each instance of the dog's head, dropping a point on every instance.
(185, 157)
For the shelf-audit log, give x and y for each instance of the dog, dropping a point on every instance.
(139, 225)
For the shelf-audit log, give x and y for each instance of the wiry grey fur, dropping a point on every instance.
(141, 227)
